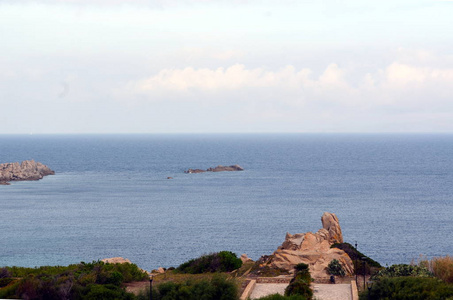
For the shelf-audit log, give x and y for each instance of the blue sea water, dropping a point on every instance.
(393, 194)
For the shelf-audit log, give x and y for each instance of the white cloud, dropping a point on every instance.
(401, 74)
(237, 77)
(231, 78)
(398, 86)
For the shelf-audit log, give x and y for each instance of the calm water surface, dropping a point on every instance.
(110, 197)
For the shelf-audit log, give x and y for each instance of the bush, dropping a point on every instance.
(335, 268)
(441, 267)
(105, 292)
(79, 281)
(408, 288)
(217, 288)
(402, 270)
(5, 281)
(300, 284)
(358, 258)
(224, 261)
(9, 292)
(5, 273)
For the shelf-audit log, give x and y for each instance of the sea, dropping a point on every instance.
(110, 196)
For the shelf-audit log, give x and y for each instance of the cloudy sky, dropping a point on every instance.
(169, 66)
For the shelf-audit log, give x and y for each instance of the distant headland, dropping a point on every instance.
(26, 170)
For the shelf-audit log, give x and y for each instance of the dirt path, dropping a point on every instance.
(321, 291)
(264, 289)
(332, 291)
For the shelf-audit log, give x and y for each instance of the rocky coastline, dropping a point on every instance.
(26, 170)
(219, 168)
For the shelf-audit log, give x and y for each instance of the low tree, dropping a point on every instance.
(300, 284)
(335, 268)
(224, 261)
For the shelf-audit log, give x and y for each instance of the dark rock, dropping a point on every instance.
(229, 168)
(217, 169)
(27, 170)
(190, 171)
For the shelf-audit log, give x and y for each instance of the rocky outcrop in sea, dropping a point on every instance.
(26, 170)
(216, 169)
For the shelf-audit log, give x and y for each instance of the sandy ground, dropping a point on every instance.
(332, 291)
(264, 289)
(321, 291)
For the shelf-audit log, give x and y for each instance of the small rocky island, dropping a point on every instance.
(26, 170)
(216, 169)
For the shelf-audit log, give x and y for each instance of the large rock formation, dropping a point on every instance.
(27, 170)
(217, 169)
(116, 260)
(312, 249)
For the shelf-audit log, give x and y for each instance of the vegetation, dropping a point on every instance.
(224, 261)
(402, 270)
(300, 284)
(201, 279)
(440, 267)
(266, 271)
(362, 263)
(219, 287)
(96, 280)
(334, 268)
(427, 280)
(408, 288)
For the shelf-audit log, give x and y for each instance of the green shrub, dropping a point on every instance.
(4, 273)
(370, 266)
(302, 268)
(403, 270)
(224, 261)
(408, 288)
(300, 284)
(218, 288)
(77, 281)
(335, 268)
(299, 287)
(9, 291)
(229, 261)
(441, 267)
(105, 292)
(5, 281)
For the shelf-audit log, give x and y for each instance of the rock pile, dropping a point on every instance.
(116, 260)
(312, 249)
(27, 170)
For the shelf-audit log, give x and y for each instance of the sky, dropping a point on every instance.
(200, 66)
